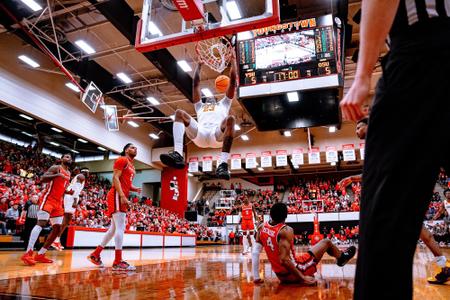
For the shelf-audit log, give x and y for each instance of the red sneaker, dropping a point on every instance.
(42, 259)
(57, 246)
(28, 259)
(95, 259)
(123, 266)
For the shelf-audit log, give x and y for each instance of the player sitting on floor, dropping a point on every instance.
(278, 241)
(214, 129)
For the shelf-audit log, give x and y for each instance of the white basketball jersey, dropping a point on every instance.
(76, 187)
(447, 207)
(210, 115)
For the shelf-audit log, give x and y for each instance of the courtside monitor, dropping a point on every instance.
(295, 56)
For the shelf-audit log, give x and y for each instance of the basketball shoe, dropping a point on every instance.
(42, 259)
(442, 276)
(95, 259)
(57, 246)
(346, 256)
(222, 171)
(173, 159)
(28, 259)
(123, 266)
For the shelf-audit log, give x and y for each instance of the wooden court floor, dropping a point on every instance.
(214, 272)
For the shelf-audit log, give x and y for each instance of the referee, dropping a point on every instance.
(407, 138)
(29, 213)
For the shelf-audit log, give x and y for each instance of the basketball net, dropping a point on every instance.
(215, 53)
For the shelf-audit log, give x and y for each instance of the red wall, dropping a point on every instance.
(169, 199)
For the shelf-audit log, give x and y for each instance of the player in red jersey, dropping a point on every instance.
(247, 225)
(50, 208)
(117, 208)
(278, 241)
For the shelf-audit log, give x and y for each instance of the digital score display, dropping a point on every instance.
(291, 51)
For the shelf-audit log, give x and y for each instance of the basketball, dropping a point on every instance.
(222, 83)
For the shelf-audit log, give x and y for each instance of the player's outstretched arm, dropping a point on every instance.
(51, 174)
(196, 93)
(233, 76)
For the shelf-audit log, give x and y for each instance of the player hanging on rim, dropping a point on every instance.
(277, 238)
(50, 208)
(71, 202)
(214, 129)
(118, 204)
(248, 215)
(425, 235)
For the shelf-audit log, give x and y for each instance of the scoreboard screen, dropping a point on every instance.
(293, 56)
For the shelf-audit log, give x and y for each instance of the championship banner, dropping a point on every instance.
(193, 164)
(207, 163)
(348, 151)
(236, 162)
(266, 159)
(362, 150)
(314, 155)
(250, 161)
(297, 157)
(281, 158)
(174, 190)
(331, 154)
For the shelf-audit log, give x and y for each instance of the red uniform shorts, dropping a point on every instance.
(306, 263)
(114, 203)
(247, 225)
(54, 207)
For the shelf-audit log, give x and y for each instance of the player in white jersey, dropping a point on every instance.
(214, 128)
(71, 202)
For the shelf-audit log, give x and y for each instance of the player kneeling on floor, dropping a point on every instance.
(277, 239)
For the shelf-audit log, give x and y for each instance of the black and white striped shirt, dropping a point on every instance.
(411, 12)
(31, 209)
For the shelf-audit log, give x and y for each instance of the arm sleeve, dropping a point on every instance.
(120, 163)
(257, 248)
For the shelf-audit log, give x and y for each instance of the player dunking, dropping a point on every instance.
(214, 129)
(50, 208)
(278, 241)
(117, 208)
(248, 215)
(71, 202)
(425, 235)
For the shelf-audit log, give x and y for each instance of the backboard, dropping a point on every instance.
(110, 115)
(92, 97)
(166, 23)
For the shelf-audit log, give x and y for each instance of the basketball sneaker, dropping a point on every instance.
(123, 266)
(95, 259)
(42, 259)
(57, 246)
(346, 256)
(222, 171)
(442, 276)
(173, 159)
(28, 259)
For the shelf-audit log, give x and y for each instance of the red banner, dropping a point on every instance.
(190, 9)
(174, 190)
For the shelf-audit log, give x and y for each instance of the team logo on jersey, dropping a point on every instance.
(174, 188)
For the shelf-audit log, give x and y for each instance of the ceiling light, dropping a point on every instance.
(245, 137)
(26, 117)
(190, 175)
(26, 133)
(133, 124)
(292, 96)
(85, 47)
(246, 35)
(237, 127)
(154, 136)
(153, 101)
(55, 144)
(184, 65)
(332, 129)
(56, 129)
(29, 61)
(83, 141)
(207, 92)
(153, 29)
(74, 151)
(233, 10)
(260, 169)
(101, 148)
(124, 77)
(32, 4)
(287, 133)
(73, 87)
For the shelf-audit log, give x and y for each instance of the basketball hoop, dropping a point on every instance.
(215, 53)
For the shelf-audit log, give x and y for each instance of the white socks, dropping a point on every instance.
(34, 236)
(42, 251)
(257, 248)
(440, 261)
(224, 157)
(178, 136)
(245, 243)
(57, 240)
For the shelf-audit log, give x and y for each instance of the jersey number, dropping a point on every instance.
(270, 244)
(209, 107)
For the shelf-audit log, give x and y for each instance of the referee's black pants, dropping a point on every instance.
(408, 139)
(28, 227)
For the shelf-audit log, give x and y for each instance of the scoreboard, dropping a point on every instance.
(292, 56)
